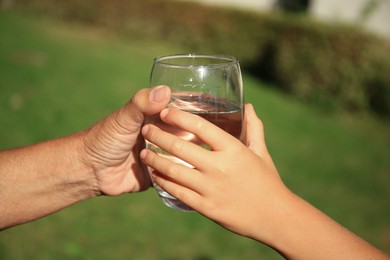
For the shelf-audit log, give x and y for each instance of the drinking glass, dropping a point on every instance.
(207, 85)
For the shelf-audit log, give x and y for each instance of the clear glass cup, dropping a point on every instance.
(207, 85)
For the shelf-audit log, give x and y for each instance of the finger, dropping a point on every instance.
(254, 131)
(173, 169)
(182, 193)
(187, 151)
(209, 133)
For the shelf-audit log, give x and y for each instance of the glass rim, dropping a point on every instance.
(220, 60)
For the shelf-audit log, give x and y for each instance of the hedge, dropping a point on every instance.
(339, 65)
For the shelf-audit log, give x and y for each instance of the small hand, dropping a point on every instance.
(230, 183)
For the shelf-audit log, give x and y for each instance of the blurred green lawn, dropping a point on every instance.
(58, 78)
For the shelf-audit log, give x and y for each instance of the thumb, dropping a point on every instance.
(150, 101)
(145, 102)
(254, 131)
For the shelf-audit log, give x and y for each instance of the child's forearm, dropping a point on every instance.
(300, 231)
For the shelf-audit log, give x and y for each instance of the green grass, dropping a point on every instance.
(58, 78)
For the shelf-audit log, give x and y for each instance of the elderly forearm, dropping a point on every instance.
(41, 179)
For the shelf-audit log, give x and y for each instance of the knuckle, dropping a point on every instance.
(200, 126)
(209, 206)
(137, 100)
(260, 123)
(181, 195)
(173, 170)
(176, 146)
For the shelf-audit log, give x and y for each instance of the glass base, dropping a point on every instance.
(171, 201)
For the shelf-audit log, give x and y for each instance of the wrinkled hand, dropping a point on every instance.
(113, 144)
(232, 184)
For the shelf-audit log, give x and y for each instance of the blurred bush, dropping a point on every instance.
(339, 65)
(333, 64)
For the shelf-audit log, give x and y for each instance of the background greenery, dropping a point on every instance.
(336, 66)
(57, 78)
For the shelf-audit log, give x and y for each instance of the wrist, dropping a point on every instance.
(269, 229)
(281, 228)
(83, 177)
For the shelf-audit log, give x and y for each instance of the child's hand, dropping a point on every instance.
(231, 184)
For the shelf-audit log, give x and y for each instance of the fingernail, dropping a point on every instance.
(164, 112)
(159, 94)
(143, 154)
(145, 130)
